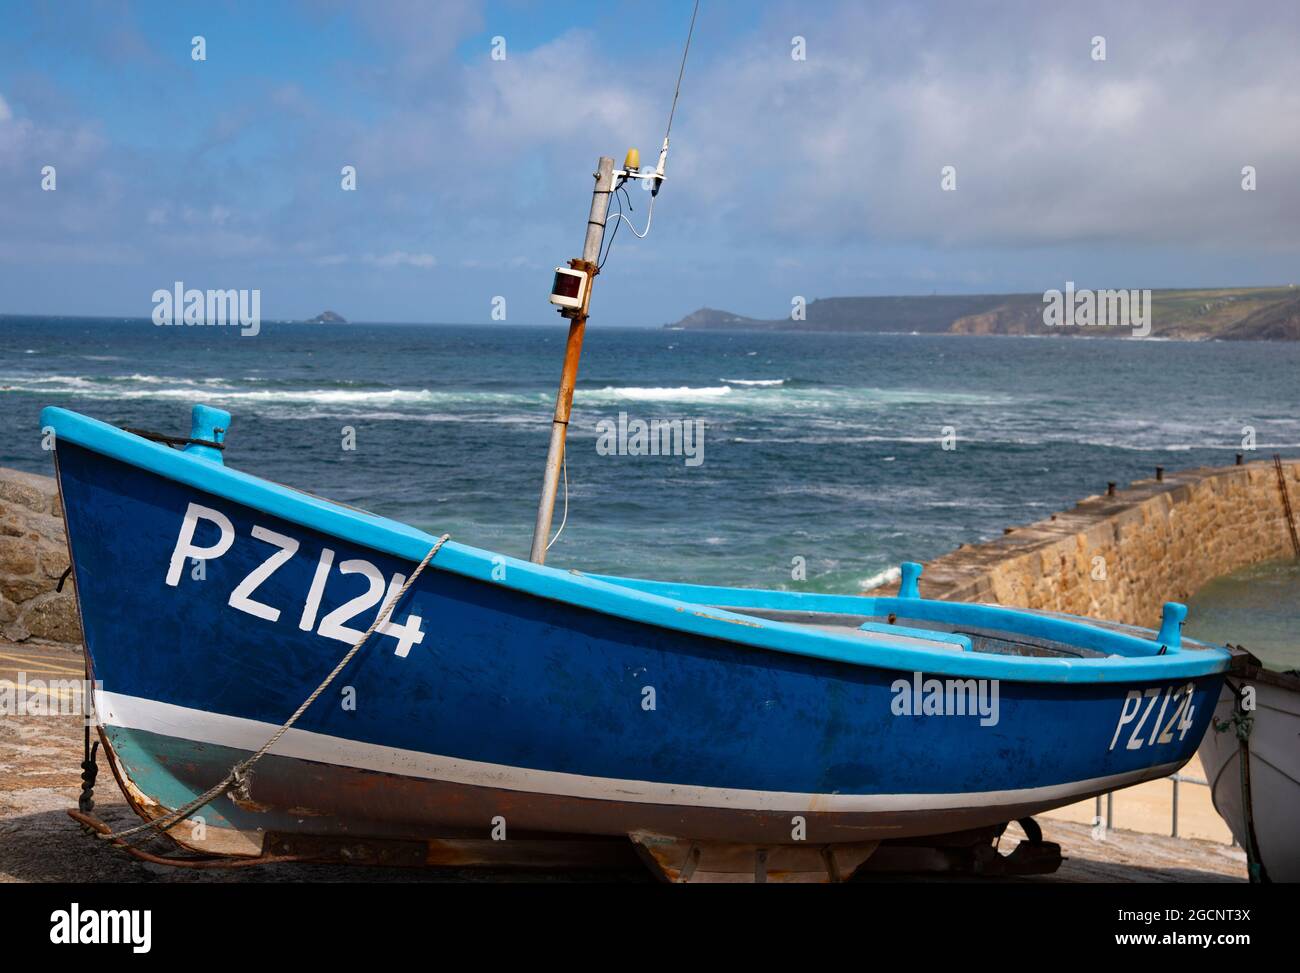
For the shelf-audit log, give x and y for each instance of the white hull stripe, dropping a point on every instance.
(131, 712)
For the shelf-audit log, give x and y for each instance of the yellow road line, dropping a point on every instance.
(34, 660)
(39, 662)
(38, 657)
(63, 693)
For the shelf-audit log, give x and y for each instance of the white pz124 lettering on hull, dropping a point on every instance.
(1148, 732)
(335, 623)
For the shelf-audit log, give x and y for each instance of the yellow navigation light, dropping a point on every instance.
(633, 160)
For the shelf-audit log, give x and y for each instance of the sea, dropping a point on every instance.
(824, 459)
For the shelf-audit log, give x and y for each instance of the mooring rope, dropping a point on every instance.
(1242, 723)
(238, 778)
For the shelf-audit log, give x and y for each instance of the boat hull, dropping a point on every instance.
(1274, 770)
(516, 713)
(293, 794)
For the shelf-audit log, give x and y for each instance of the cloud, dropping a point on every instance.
(1049, 145)
(421, 36)
(822, 174)
(395, 258)
(548, 96)
(400, 258)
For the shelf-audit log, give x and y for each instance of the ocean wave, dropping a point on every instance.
(740, 395)
(222, 391)
(834, 440)
(747, 411)
(632, 393)
(880, 578)
(310, 415)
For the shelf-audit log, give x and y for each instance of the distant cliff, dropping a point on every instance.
(1241, 313)
(1278, 322)
(933, 314)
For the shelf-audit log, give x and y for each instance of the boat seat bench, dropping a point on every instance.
(931, 638)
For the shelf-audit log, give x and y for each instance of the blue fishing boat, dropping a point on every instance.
(497, 693)
(279, 676)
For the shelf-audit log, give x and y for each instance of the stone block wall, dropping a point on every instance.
(1121, 557)
(33, 556)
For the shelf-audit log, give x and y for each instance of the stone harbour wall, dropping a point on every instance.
(1121, 557)
(33, 555)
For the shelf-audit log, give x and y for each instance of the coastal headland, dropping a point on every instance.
(1198, 314)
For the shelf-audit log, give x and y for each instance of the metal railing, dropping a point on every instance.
(1108, 820)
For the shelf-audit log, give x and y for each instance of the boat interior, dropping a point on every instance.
(908, 621)
(904, 630)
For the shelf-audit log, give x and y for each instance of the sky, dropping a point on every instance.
(813, 176)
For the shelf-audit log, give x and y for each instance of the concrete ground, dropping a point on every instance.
(40, 760)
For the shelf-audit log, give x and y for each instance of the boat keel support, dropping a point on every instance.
(969, 853)
(681, 860)
(675, 860)
(584, 853)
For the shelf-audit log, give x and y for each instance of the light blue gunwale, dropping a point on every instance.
(1055, 626)
(686, 608)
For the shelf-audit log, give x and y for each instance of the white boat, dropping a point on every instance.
(1255, 754)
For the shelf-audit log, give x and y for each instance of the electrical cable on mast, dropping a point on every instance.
(571, 295)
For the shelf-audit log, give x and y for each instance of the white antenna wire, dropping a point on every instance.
(682, 70)
(620, 215)
(564, 465)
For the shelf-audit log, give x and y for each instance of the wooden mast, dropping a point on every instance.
(572, 353)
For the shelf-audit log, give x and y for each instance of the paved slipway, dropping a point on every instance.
(40, 780)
